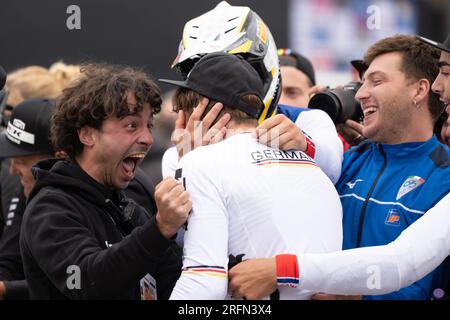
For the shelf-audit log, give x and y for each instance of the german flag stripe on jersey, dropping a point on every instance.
(213, 271)
(286, 163)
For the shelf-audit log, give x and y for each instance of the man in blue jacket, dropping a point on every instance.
(401, 171)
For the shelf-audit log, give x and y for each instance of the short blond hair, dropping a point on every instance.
(39, 82)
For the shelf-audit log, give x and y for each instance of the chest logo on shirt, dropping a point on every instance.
(410, 184)
(393, 218)
(271, 157)
(351, 185)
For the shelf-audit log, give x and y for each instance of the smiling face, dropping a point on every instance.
(386, 97)
(113, 152)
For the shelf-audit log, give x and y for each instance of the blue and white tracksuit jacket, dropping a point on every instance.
(384, 189)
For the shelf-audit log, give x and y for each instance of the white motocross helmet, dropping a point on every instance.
(236, 30)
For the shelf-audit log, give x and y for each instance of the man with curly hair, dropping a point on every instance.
(82, 238)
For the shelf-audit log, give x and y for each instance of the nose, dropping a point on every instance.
(146, 137)
(362, 93)
(437, 85)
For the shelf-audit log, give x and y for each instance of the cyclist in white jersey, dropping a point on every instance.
(249, 200)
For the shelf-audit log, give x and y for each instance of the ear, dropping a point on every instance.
(87, 136)
(422, 90)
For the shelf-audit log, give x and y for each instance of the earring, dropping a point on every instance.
(416, 104)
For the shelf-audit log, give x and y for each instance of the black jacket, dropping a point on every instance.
(9, 187)
(71, 220)
(11, 270)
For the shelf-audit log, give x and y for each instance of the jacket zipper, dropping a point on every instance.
(108, 214)
(369, 194)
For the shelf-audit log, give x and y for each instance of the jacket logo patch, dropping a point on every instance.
(393, 218)
(409, 185)
(351, 185)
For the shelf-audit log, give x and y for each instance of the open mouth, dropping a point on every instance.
(130, 162)
(369, 111)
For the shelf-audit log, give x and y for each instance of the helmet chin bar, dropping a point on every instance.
(270, 104)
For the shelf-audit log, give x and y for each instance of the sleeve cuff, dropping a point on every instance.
(287, 270)
(310, 147)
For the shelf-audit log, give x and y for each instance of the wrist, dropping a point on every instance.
(287, 270)
(166, 230)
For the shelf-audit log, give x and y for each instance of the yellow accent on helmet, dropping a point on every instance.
(244, 48)
(263, 115)
(262, 31)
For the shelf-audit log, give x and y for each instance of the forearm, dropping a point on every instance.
(363, 271)
(120, 267)
(379, 270)
(367, 271)
(104, 273)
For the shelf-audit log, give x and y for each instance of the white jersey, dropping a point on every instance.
(317, 124)
(378, 270)
(252, 201)
(169, 162)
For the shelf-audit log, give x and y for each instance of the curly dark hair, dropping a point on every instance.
(99, 93)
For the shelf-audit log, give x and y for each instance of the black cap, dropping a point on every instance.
(225, 78)
(290, 58)
(441, 46)
(28, 130)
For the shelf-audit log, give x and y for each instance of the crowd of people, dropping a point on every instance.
(260, 197)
